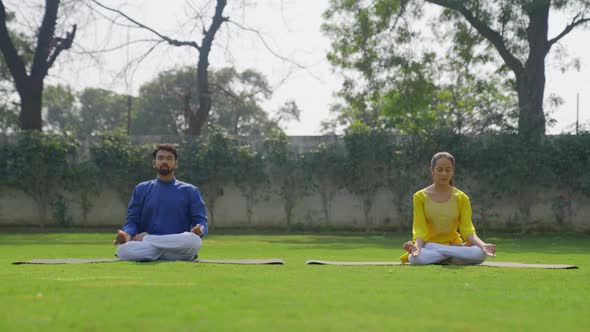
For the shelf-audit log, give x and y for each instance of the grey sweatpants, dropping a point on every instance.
(173, 247)
(433, 253)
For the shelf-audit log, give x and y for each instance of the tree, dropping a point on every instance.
(381, 32)
(250, 178)
(30, 85)
(287, 173)
(236, 102)
(42, 163)
(164, 103)
(366, 165)
(120, 164)
(59, 104)
(8, 107)
(209, 164)
(101, 110)
(324, 163)
(523, 46)
(198, 115)
(197, 118)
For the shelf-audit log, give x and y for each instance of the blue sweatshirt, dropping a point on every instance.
(165, 207)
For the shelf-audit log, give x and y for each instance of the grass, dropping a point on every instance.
(183, 296)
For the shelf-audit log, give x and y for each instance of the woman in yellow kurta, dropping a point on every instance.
(442, 227)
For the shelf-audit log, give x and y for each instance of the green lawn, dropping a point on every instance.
(184, 296)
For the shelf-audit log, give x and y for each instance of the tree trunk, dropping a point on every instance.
(531, 118)
(530, 76)
(31, 102)
(199, 118)
(48, 48)
(530, 82)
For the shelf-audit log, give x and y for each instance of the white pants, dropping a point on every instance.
(173, 247)
(433, 253)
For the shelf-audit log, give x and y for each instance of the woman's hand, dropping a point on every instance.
(412, 248)
(489, 249)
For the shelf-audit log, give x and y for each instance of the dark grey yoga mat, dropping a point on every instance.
(111, 260)
(493, 264)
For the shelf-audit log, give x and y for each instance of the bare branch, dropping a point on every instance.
(259, 35)
(45, 40)
(577, 20)
(138, 60)
(62, 44)
(401, 15)
(106, 50)
(110, 19)
(491, 35)
(13, 60)
(227, 92)
(169, 40)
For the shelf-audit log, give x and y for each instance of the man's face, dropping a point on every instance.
(165, 163)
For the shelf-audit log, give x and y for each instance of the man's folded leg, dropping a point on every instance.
(175, 247)
(138, 251)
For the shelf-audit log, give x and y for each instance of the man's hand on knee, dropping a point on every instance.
(198, 230)
(122, 237)
(139, 237)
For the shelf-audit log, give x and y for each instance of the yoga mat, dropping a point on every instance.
(110, 260)
(316, 262)
(493, 264)
(276, 261)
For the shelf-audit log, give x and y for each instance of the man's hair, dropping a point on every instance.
(166, 147)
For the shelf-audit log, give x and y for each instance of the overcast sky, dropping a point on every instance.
(291, 28)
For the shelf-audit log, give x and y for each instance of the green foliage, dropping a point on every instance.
(210, 166)
(59, 103)
(8, 116)
(60, 211)
(237, 98)
(365, 169)
(250, 177)
(84, 181)
(491, 169)
(40, 165)
(23, 44)
(288, 175)
(121, 165)
(570, 160)
(325, 166)
(102, 111)
(466, 74)
(164, 103)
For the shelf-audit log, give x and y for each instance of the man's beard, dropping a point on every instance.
(165, 170)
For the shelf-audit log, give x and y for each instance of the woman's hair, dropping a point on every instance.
(446, 155)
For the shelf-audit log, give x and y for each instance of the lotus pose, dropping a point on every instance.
(166, 218)
(439, 211)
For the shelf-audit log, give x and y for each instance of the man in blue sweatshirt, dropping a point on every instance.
(166, 218)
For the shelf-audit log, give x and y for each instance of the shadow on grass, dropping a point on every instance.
(507, 243)
(332, 242)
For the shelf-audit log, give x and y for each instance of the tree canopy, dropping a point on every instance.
(419, 62)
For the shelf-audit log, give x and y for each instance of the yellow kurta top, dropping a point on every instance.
(439, 222)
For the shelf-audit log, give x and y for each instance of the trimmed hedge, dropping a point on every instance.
(363, 161)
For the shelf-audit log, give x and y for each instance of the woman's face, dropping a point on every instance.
(443, 171)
